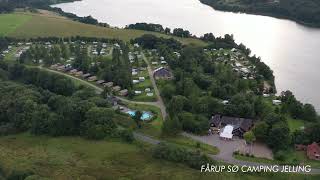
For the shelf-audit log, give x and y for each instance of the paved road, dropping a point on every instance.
(155, 87)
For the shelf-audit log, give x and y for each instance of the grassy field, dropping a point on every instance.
(10, 22)
(67, 158)
(30, 25)
(295, 124)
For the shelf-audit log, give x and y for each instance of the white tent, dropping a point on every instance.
(227, 132)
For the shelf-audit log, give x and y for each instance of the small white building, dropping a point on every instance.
(266, 95)
(163, 62)
(142, 79)
(135, 81)
(147, 90)
(225, 102)
(238, 64)
(116, 45)
(276, 102)
(137, 92)
(149, 94)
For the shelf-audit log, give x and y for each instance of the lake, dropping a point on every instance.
(290, 49)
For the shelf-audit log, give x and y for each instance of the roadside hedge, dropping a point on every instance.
(193, 159)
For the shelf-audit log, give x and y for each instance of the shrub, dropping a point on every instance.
(19, 175)
(198, 145)
(280, 155)
(181, 155)
(127, 135)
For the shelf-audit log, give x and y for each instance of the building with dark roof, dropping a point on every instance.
(240, 125)
(162, 73)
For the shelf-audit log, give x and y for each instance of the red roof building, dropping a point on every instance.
(313, 151)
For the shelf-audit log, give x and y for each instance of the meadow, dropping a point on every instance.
(10, 22)
(47, 24)
(77, 158)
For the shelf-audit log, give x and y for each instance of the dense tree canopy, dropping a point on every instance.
(305, 11)
(52, 105)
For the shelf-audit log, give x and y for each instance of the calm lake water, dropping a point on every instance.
(290, 49)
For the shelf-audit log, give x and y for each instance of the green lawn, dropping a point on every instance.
(47, 24)
(10, 22)
(192, 144)
(67, 158)
(295, 124)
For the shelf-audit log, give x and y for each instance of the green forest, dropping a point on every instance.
(303, 11)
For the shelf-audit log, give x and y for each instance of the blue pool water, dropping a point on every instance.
(145, 115)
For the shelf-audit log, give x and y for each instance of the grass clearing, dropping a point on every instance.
(49, 25)
(256, 159)
(192, 144)
(10, 22)
(295, 124)
(67, 158)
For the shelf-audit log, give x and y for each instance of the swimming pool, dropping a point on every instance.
(145, 115)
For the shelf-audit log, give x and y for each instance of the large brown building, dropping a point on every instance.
(240, 125)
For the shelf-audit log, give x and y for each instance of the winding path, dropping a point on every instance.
(159, 102)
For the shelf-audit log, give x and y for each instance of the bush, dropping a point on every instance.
(236, 153)
(35, 177)
(198, 145)
(19, 175)
(127, 135)
(1, 171)
(181, 155)
(280, 155)
(295, 161)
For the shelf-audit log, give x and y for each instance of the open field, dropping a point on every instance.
(10, 22)
(77, 158)
(48, 24)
